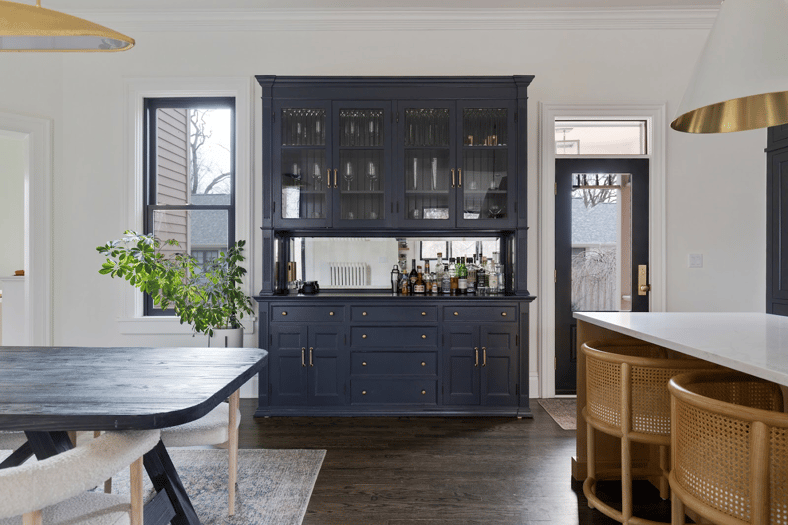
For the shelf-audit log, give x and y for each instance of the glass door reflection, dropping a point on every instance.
(361, 167)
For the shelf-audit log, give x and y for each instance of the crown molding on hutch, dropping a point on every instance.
(676, 17)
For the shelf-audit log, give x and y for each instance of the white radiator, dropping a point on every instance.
(349, 274)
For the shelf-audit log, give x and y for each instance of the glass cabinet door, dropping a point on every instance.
(426, 158)
(302, 144)
(363, 159)
(487, 164)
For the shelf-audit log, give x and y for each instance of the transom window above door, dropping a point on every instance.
(601, 137)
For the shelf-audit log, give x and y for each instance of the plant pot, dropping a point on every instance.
(227, 338)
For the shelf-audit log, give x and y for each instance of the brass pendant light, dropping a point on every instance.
(741, 80)
(32, 28)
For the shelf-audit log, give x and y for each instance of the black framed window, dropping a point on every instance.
(189, 179)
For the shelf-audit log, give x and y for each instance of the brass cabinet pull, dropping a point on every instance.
(476, 351)
(503, 314)
(423, 392)
(424, 336)
(484, 355)
(423, 363)
(328, 186)
(363, 392)
(460, 178)
(456, 313)
(311, 363)
(423, 313)
(284, 313)
(364, 313)
(452, 178)
(363, 336)
(332, 313)
(335, 179)
(303, 359)
(363, 363)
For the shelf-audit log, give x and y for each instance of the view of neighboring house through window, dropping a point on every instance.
(190, 175)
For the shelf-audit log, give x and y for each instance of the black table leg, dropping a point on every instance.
(48, 444)
(18, 457)
(163, 476)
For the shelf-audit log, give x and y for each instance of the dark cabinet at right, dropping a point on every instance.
(777, 221)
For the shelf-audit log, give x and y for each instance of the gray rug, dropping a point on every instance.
(563, 411)
(274, 486)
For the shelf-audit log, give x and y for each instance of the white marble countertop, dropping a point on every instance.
(753, 343)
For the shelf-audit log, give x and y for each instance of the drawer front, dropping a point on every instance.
(394, 363)
(393, 391)
(498, 314)
(307, 314)
(407, 314)
(393, 336)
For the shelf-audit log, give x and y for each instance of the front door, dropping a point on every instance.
(601, 248)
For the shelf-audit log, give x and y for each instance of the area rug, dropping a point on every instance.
(274, 486)
(563, 411)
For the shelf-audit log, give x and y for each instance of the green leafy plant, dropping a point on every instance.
(207, 296)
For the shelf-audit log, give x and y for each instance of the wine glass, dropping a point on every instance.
(348, 175)
(372, 175)
(317, 175)
(494, 211)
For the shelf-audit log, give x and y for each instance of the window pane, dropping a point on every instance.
(197, 231)
(598, 137)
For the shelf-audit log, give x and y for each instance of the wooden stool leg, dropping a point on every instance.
(591, 458)
(626, 479)
(233, 450)
(676, 510)
(664, 485)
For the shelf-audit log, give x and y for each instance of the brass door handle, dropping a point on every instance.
(452, 178)
(484, 356)
(303, 359)
(335, 178)
(328, 178)
(311, 350)
(459, 185)
(643, 286)
(476, 351)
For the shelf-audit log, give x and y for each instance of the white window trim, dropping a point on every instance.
(543, 325)
(132, 320)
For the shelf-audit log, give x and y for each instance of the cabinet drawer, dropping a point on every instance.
(412, 314)
(480, 313)
(394, 363)
(309, 314)
(393, 336)
(393, 391)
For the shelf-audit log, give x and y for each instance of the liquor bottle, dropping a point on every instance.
(462, 277)
(439, 268)
(426, 267)
(481, 277)
(472, 275)
(428, 282)
(492, 286)
(404, 284)
(453, 276)
(500, 278)
(446, 284)
(413, 276)
(418, 286)
(436, 286)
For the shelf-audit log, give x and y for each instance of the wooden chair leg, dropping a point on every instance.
(676, 510)
(32, 518)
(233, 450)
(135, 483)
(664, 485)
(591, 457)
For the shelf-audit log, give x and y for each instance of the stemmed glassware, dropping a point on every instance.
(372, 175)
(317, 175)
(348, 175)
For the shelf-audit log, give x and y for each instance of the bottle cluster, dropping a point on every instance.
(461, 276)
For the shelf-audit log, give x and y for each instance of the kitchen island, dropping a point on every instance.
(752, 343)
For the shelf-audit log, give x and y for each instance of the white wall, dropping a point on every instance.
(715, 184)
(12, 204)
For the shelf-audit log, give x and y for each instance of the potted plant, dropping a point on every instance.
(207, 296)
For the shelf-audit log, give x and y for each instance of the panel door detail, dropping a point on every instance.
(287, 362)
(499, 365)
(461, 362)
(328, 365)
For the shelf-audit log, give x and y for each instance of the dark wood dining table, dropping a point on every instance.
(49, 391)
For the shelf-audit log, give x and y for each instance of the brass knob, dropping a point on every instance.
(363, 392)
(364, 336)
(503, 314)
(363, 363)
(456, 313)
(423, 392)
(423, 363)
(284, 313)
(645, 287)
(423, 313)
(423, 336)
(364, 313)
(332, 313)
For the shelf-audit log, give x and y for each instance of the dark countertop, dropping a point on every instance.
(357, 295)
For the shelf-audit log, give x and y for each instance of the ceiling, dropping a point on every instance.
(224, 5)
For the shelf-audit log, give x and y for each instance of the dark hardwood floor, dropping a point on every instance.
(432, 470)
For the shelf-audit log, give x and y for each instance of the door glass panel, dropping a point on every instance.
(303, 127)
(485, 127)
(428, 181)
(484, 183)
(304, 184)
(362, 176)
(601, 242)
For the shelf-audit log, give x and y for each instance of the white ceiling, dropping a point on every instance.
(192, 5)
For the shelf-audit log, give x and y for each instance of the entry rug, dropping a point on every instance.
(563, 411)
(274, 486)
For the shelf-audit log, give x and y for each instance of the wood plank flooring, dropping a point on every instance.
(440, 471)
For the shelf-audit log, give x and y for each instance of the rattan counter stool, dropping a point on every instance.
(627, 397)
(729, 449)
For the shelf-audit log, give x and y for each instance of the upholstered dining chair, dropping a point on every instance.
(56, 490)
(217, 427)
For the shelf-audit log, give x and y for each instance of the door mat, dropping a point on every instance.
(563, 411)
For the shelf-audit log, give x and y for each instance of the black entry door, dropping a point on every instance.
(601, 242)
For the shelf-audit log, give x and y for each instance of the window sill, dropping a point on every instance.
(169, 325)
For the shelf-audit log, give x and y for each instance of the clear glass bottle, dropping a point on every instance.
(471, 275)
(453, 276)
(439, 268)
(427, 282)
(436, 285)
(446, 284)
(492, 286)
(404, 284)
(500, 278)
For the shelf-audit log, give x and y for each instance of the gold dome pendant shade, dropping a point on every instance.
(32, 28)
(741, 80)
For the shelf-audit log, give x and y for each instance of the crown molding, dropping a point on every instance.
(633, 18)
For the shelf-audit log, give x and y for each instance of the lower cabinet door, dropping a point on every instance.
(329, 366)
(288, 366)
(461, 379)
(499, 365)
